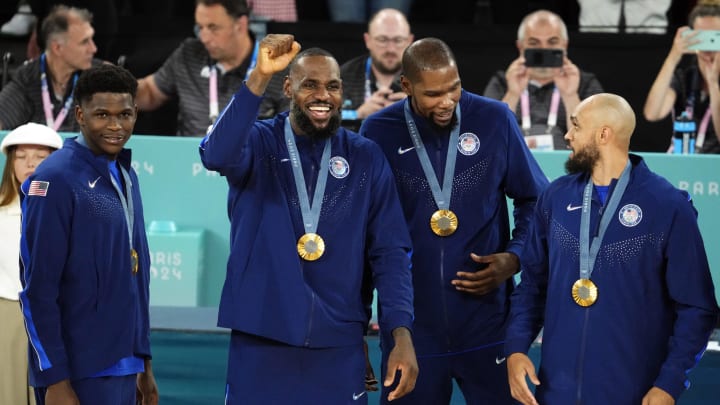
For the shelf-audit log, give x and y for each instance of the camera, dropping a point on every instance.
(540, 57)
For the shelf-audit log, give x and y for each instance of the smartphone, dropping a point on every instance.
(709, 40)
(540, 57)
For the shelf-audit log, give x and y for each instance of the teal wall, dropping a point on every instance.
(176, 187)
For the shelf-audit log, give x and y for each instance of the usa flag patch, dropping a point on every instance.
(38, 188)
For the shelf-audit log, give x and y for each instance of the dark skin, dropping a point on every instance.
(435, 94)
(317, 82)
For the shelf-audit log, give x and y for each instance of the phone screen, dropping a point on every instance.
(540, 57)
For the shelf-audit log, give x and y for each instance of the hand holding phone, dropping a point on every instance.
(707, 40)
(541, 57)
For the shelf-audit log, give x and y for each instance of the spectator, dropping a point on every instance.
(541, 96)
(615, 270)
(25, 148)
(464, 253)
(204, 72)
(42, 89)
(372, 82)
(692, 90)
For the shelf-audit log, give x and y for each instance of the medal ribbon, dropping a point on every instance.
(51, 122)
(126, 200)
(589, 252)
(441, 196)
(552, 113)
(212, 83)
(310, 213)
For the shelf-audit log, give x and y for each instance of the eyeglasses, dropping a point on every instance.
(385, 41)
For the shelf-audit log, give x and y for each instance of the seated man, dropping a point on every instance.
(204, 72)
(42, 89)
(541, 95)
(371, 82)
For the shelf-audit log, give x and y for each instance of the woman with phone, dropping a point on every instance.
(692, 92)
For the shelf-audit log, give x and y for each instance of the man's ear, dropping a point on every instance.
(287, 87)
(79, 115)
(405, 85)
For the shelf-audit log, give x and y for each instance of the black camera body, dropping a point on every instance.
(541, 57)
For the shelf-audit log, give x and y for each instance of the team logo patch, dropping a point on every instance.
(630, 215)
(339, 167)
(468, 144)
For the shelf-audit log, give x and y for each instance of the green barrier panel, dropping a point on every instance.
(176, 187)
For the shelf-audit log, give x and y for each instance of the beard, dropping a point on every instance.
(584, 160)
(392, 70)
(306, 126)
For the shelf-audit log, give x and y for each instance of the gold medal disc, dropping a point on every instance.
(134, 261)
(311, 246)
(584, 292)
(443, 222)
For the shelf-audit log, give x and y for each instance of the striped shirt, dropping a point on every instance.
(185, 75)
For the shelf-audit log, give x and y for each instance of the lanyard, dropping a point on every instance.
(589, 252)
(310, 213)
(441, 196)
(213, 87)
(368, 88)
(552, 114)
(125, 199)
(703, 128)
(51, 122)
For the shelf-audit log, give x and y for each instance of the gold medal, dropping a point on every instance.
(311, 246)
(584, 292)
(443, 222)
(134, 261)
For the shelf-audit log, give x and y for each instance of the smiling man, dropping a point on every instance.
(85, 257)
(456, 157)
(311, 205)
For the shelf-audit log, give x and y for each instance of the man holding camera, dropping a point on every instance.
(542, 84)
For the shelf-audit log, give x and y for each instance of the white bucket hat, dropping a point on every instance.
(32, 134)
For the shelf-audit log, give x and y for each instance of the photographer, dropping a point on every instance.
(544, 87)
(692, 90)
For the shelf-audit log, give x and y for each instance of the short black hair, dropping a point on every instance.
(234, 8)
(426, 54)
(307, 53)
(104, 78)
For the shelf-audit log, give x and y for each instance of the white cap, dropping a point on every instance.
(32, 134)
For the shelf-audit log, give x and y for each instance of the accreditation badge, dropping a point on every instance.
(310, 247)
(443, 222)
(584, 292)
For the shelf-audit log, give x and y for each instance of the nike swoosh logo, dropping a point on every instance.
(357, 396)
(499, 360)
(402, 151)
(284, 160)
(571, 208)
(91, 184)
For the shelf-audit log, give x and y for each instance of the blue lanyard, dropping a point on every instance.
(310, 213)
(368, 87)
(125, 197)
(440, 195)
(589, 252)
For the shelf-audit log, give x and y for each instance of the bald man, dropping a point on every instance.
(457, 157)
(542, 96)
(615, 271)
(372, 81)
